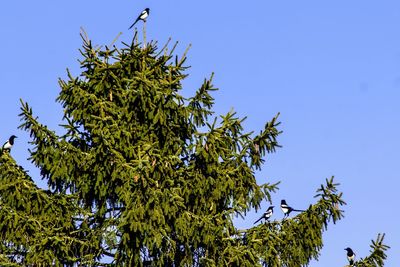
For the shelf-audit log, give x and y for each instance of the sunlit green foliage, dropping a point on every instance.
(142, 176)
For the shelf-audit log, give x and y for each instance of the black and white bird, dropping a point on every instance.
(350, 255)
(286, 209)
(143, 16)
(10, 142)
(266, 214)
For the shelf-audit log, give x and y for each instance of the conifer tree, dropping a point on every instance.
(142, 176)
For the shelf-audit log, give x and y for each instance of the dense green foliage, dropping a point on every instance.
(142, 176)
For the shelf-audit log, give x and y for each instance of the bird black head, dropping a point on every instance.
(147, 10)
(283, 202)
(348, 249)
(12, 137)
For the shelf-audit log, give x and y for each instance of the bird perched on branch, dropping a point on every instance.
(266, 214)
(9, 144)
(350, 255)
(287, 209)
(143, 16)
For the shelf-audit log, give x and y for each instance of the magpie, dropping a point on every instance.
(143, 16)
(287, 209)
(266, 214)
(350, 255)
(10, 142)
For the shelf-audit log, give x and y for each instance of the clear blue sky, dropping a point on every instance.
(331, 68)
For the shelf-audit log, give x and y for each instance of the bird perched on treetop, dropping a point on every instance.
(350, 255)
(10, 142)
(8, 145)
(266, 214)
(287, 209)
(143, 16)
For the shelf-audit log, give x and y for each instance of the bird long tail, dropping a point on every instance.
(258, 220)
(299, 210)
(134, 23)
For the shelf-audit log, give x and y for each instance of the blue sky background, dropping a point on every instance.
(331, 68)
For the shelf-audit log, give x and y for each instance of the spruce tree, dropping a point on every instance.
(142, 176)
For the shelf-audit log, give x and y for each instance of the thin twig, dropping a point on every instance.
(84, 35)
(116, 38)
(184, 54)
(144, 34)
